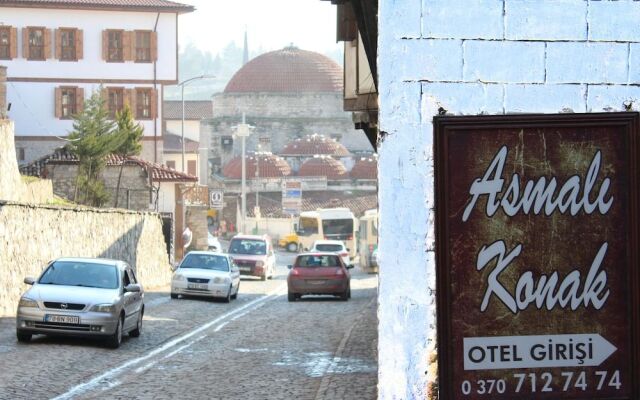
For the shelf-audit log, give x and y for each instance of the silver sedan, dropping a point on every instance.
(204, 273)
(82, 297)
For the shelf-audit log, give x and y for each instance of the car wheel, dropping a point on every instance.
(228, 298)
(344, 296)
(349, 293)
(115, 340)
(174, 296)
(291, 296)
(264, 276)
(235, 296)
(136, 332)
(23, 337)
(292, 247)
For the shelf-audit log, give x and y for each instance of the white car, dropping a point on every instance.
(213, 244)
(207, 274)
(333, 246)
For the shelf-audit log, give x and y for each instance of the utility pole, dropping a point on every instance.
(243, 131)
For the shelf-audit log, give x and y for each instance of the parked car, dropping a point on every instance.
(319, 273)
(253, 255)
(290, 242)
(334, 246)
(213, 244)
(82, 297)
(205, 273)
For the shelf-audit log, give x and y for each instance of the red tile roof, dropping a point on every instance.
(193, 110)
(315, 144)
(137, 5)
(159, 173)
(365, 168)
(289, 70)
(271, 166)
(271, 204)
(323, 166)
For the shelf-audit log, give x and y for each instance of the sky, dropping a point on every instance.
(271, 24)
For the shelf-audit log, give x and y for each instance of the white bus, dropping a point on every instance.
(368, 240)
(328, 224)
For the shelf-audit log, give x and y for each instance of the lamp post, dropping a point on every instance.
(182, 85)
(243, 131)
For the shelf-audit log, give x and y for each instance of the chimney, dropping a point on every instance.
(3, 92)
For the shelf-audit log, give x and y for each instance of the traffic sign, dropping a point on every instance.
(216, 199)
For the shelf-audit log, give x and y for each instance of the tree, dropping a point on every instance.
(93, 138)
(129, 135)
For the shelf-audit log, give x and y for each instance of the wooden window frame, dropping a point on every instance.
(70, 107)
(194, 164)
(141, 106)
(121, 59)
(111, 107)
(7, 46)
(31, 47)
(138, 49)
(73, 47)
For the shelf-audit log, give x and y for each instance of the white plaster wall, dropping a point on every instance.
(167, 197)
(92, 23)
(191, 128)
(33, 108)
(473, 57)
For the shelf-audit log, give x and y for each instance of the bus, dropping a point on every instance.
(328, 224)
(368, 240)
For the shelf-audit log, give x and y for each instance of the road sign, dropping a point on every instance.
(291, 197)
(536, 244)
(216, 199)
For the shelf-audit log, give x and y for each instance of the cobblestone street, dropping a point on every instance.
(257, 347)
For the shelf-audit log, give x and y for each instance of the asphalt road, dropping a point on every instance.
(257, 347)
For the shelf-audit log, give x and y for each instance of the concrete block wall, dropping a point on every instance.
(472, 57)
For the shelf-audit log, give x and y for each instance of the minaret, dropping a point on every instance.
(245, 55)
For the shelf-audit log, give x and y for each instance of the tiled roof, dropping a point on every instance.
(150, 5)
(159, 173)
(365, 168)
(193, 109)
(289, 70)
(271, 166)
(173, 144)
(271, 206)
(315, 144)
(323, 166)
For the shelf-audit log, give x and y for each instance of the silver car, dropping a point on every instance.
(205, 273)
(82, 297)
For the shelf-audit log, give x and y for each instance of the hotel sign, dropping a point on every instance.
(537, 256)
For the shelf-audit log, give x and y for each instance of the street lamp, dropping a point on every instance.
(182, 85)
(243, 131)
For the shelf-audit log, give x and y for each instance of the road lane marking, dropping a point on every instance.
(113, 372)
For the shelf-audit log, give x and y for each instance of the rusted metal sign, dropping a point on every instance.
(537, 256)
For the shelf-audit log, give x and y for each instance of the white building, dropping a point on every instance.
(58, 53)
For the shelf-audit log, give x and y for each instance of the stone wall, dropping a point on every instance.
(3, 92)
(30, 236)
(196, 220)
(10, 182)
(37, 192)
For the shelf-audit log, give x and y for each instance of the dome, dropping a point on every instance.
(271, 166)
(286, 71)
(323, 166)
(315, 144)
(365, 168)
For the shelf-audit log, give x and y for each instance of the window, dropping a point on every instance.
(68, 45)
(143, 104)
(36, 43)
(191, 167)
(171, 164)
(68, 103)
(143, 46)
(115, 100)
(115, 46)
(5, 43)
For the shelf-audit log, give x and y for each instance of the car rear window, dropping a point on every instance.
(329, 247)
(78, 273)
(313, 261)
(248, 246)
(205, 261)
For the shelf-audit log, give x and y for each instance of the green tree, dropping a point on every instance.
(93, 138)
(130, 136)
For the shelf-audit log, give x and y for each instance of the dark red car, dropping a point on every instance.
(319, 273)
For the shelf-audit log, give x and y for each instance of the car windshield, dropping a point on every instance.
(248, 246)
(313, 261)
(205, 261)
(78, 273)
(329, 247)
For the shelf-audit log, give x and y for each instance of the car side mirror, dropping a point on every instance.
(290, 266)
(350, 266)
(29, 280)
(132, 287)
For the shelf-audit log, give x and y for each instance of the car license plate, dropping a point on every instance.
(317, 282)
(197, 286)
(245, 268)
(65, 319)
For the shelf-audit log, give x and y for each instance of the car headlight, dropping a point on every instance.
(178, 277)
(25, 302)
(259, 263)
(107, 308)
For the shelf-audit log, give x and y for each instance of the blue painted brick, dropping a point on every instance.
(634, 63)
(614, 20)
(587, 62)
(612, 97)
(553, 20)
(462, 19)
(463, 98)
(504, 62)
(403, 18)
(544, 98)
(433, 60)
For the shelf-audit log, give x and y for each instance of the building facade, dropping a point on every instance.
(57, 54)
